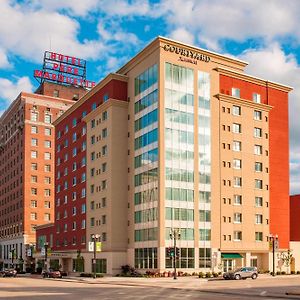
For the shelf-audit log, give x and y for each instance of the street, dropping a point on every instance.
(148, 288)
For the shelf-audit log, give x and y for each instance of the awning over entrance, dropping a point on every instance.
(231, 255)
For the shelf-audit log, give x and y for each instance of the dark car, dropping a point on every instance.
(242, 273)
(8, 273)
(52, 274)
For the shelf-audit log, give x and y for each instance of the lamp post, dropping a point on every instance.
(95, 237)
(274, 241)
(46, 255)
(12, 256)
(175, 235)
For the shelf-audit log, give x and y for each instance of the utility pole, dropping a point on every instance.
(95, 237)
(274, 241)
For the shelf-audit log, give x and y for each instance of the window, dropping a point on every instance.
(74, 195)
(237, 218)
(47, 144)
(258, 166)
(47, 168)
(83, 130)
(257, 132)
(237, 163)
(258, 149)
(94, 106)
(83, 146)
(258, 219)
(258, 184)
(256, 98)
(258, 201)
(47, 155)
(34, 154)
(237, 235)
(74, 181)
(237, 199)
(236, 128)
(66, 128)
(74, 137)
(47, 131)
(235, 92)
(83, 208)
(47, 204)
(204, 234)
(47, 180)
(46, 217)
(47, 119)
(237, 181)
(258, 236)
(105, 97)
(104, 115)
(47, 192)
(34, 179)
(93, 123)
(33, 203)
(74, 225)
(257, 115)
(83, 161)
(34, 116)
(83, 177)
(104, 184)
(84, 114)
(56, 93)
(236, 110)
(104, 133)
(92, 222)
(103, 202)
(104, 150)
(74, 210)
(74, 166)
(83, 193)
(74, 152)
(83, 224)
(34, 129)
(104, 167)
(104, 219)
(33, 216)
(237, 146)
(34, 166)
(74, 122)
(92, 139)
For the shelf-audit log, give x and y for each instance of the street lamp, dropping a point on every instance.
(12, 251)
(175, 235)
(95, 237)
(46, 255)
(274, 240)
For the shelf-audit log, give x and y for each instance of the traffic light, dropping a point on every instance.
(177, 252)
(168, 251)
(172, 254)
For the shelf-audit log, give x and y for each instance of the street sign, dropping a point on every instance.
(91, 246)
(98, 246)
(270, 246)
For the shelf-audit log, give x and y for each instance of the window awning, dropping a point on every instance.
(231, 255)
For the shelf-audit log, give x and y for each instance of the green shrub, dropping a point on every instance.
(208, 275)
(215, 274)
(283, 273)
(201, 274)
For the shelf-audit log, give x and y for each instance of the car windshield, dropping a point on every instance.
(239, 270)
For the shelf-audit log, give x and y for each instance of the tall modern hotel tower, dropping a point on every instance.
(179, 139)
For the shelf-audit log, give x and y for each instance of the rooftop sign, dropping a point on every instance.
(63, 69)
(187, 55)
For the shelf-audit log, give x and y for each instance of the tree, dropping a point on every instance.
(286, 257)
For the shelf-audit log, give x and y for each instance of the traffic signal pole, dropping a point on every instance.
(174, 258)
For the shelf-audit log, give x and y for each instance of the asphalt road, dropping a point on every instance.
(158, 288)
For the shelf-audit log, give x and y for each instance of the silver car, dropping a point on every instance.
(242, 273)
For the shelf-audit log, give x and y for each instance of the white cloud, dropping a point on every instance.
(213, 20)
(273, 64)
(181, 34)
(4, 63)
(11, 89)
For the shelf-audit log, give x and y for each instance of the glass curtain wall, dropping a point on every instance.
(179, 160)
(204, 133)
(146, 168)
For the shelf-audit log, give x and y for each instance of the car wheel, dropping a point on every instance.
(237, 277)
(254, 276)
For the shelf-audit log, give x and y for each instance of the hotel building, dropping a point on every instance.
(27, 168)
(178, 138)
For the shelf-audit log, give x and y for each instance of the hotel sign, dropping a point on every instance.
(187, 55)
(63, 69)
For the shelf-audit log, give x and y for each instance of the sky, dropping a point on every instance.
(107, 33)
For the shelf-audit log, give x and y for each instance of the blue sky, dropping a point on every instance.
(108, 32)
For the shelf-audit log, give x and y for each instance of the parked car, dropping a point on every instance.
(52, 274)
(241, 273)
(8, 273)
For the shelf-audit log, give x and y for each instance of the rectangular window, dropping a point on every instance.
(237, 163)
(34, 154)
(237, 236)
(104, 150)
(237, 199)
(47, 192)
(257, 132)
(47, 155)
(257, 115)
(236, 110)
(33, 216)
(104, 115)
(237, 146)
(104, 133)
(235, 92)
(47, 131)
(237, 181)
(103, 167)
(258, 236)
(258, 184)
(33, 203)
(34, 129)
(237, 128)
(34, 166)
(256, 98)
(47, 144)
(258, 201)
(46, 217)
(258, 166)
(258, 149)
(47, 119)
(34, 179)
(47, 204)
(258, 219)
(237, 217)
(204, 234)
(34, 116)
(47, 168)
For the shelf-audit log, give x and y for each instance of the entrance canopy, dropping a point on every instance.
(231, 255)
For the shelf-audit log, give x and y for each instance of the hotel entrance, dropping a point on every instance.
(231, 261)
